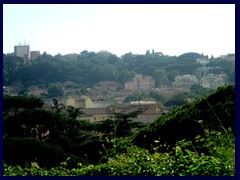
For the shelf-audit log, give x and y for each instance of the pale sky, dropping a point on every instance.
(167, 28)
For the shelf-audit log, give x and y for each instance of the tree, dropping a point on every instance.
(171, 75)
(189, 57)
(17, 102)
(55, 90)
(36, 123)
(232, 76)
(56, 106)
(137, 97)
(176, 100)
(74, 112)
(160, 75)
(148, 52)
(157, 96)
(11, 66)
(121, 125)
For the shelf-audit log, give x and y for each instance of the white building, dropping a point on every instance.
(22, 51)
(185, 81)
(202, 60)
(214, 81)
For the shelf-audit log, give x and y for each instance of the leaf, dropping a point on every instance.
(139, 169)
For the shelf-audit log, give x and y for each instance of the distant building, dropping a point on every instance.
(150, 112)
(11, 90)
(79, 102)
(34, 54)
(214, 81)
(22, 51)
(202, 60)
(96, 114)
(143, 102)
(108, 86)
(140, 83)
(230, 57)
(202, 71)
(185, 81)
(36, 91)
(101, 103)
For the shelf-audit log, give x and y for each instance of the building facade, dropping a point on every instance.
(214, 81)
(79, 102)
(185, 81)
(140, 83)
(150, 112)
(22, 51)
(34, 54)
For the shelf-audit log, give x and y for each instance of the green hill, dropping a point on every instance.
(215, 112)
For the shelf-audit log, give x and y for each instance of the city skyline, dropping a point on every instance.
(167, 28)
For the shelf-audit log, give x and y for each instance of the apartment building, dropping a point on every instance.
(185, 81)
(22, 51)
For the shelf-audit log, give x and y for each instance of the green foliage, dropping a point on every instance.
(189, 57)
(121, 125)
(176, 100)
(55, 90)
(188, 163)
(139, 162)
(125, 159)
(172, 74)
(89, 68)
(12, 65)
(74, 112)
(196, 139)
(74, 137)
(217, 111)
(224, 65)
(158, 97)
(137, 97)
(36, 123)
(16, 102)
(19, 151)
(160, 75)
(221, 145)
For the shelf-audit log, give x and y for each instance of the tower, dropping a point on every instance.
(22, 51)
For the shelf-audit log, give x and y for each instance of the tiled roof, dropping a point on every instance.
(97, 111)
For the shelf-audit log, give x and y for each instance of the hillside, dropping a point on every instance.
(215, 112)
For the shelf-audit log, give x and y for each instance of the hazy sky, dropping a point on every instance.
(167, 28)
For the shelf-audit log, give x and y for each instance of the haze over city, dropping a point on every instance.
(167, 28)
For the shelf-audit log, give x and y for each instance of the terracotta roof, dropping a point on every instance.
(97, 111)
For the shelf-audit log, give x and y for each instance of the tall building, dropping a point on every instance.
(22, 51)
(34, 54)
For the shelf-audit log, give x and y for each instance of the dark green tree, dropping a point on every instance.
(17, 102)
(55, 90)
(172, 74)
(176, 100)
(121, 125)
(74, 112)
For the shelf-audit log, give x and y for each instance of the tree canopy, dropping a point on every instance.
(89, 68)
